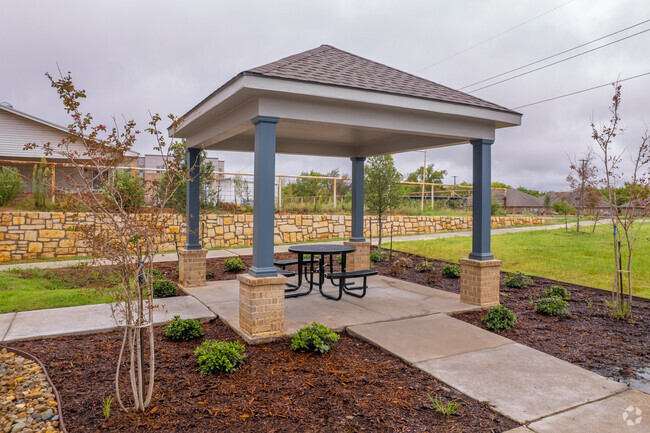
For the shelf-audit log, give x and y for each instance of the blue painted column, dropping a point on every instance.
(357, 200)
(264, 198)
(192, 241)
(482, 197)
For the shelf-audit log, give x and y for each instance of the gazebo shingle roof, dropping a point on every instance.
(329, 65)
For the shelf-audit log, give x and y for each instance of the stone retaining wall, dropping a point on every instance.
(46, 235)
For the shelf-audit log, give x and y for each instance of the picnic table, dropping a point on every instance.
(312, 270)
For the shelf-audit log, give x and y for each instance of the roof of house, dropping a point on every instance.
(516, 198)
(573, 198)
(332, 66)
(18, 128)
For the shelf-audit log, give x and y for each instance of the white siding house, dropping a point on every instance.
(16, 130)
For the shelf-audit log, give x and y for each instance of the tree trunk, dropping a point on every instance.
(379, 235)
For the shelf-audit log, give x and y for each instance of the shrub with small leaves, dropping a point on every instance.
(375, 256)
(164, 289)
(424, 266)
(500, 318)
(552, 306)
(214, 355)
(11, 184)
(558, 291)
(157, 275)
(316, 338)
(517, 280)
(451, 271)
(233, 265)
(183, 329)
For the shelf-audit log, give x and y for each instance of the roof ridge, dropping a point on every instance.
(294, 58)
(409, 74)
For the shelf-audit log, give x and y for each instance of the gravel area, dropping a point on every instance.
(27, 401)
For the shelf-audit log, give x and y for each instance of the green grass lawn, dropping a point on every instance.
(36, 289)
(580, 258)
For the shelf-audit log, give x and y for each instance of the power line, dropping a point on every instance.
(495, 36)
(580, 91)
(559, 61)
(554, 55)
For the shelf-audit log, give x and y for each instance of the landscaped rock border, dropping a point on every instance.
(48, 235)
(52, 424)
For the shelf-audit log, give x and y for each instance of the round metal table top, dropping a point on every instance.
(321, 249)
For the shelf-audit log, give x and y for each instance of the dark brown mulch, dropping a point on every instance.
(590, 338)
(355, 387)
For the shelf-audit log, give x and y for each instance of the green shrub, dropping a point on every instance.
(11, 184)
(451, 271)
(157, 275)
(375, 256)
(500, 318)
(164, 289)
(129, 189)
(552, 306)
(424, 266)
(317, 338)
(233, 265)
(517, 280)
(213, 356)
(558, 291)
(183, 329)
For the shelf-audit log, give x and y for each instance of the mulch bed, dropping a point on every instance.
(589, 338)
(355, 387)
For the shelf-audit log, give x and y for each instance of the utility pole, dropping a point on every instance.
(424, 178)
(583, 177)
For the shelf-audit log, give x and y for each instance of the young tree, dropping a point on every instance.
(115, 224)
(433, 176)
(382, 189)
(583, 175)
(242, 190)
(562, 207)
(625, 219)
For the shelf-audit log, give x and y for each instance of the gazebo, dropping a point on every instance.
(329, 102)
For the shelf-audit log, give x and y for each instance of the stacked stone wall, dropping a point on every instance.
(47, 235)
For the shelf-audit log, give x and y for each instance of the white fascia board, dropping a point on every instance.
(298, 88)
(330, 92)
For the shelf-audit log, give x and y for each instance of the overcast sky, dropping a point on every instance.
(166, 56)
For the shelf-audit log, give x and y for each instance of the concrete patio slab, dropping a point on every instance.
(428, 337)
(5, 323)
(625, 412)
(519, 382)
(386, 296)
(53, 322)
(215, 292)
(187, 307)
(521, 429)
(300, 312)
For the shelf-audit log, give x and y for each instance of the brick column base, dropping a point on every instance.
(191, 267)
(261, 307)
(479, 282)
(359, 260)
